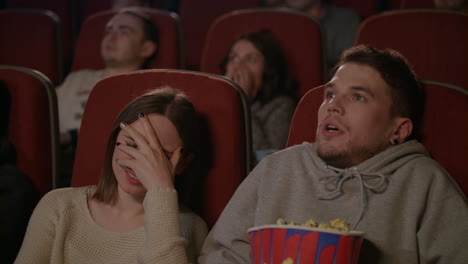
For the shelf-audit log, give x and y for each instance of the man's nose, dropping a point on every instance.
(335, 105)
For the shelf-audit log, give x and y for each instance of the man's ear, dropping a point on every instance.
(148, 48)
(403, 129)
(184, 162)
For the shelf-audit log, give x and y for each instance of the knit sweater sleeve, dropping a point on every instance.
(228, 241)
(39, 240)
(163, 240)
(195, 230)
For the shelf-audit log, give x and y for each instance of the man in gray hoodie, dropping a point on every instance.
(366, 167)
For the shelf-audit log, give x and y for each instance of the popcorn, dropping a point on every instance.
(311, 223)
(281, 221)
(337, 224)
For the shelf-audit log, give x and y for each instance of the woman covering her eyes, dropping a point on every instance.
(257, 64)
(134, 214)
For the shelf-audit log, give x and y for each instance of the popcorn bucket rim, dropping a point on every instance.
(307, 228)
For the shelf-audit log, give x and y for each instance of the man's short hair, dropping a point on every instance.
(408, 97)
(150, 31)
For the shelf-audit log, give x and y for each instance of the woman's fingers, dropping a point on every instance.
(175, 158)
(139, 139)
(150, 133)
(126, 163)
(132, 152)
(230, 74)
(244, 82)
(148, 159)
(146, 170)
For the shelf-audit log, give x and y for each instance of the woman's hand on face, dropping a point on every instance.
(245, 80)
(149, 161)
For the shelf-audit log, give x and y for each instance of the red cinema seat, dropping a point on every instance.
(444, 127)
(32, 39)
(33, 124)
(197, 16)
(91, 7)
(88, 54)
(68, 14)
(226, 152)
(299, 36)
(434, 42)
(304, 122)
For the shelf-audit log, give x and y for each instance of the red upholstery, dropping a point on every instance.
(197, 16)
(88, 54)
(225, 154)
(444, 126)
(92, 7)
(31, 38)
(33, 125)
(364, 8)
(66, 10)
(299, 36)
(304, 122)
(434, 42)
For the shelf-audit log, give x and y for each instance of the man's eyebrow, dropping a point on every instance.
(126, 27)
(363, 89)
(120, 27)
(329, 85)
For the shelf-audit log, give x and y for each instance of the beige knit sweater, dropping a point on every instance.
(61, 230)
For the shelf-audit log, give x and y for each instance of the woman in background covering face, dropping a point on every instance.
(133, 214)
(257, 64)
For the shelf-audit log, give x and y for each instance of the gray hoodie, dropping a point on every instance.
(409, 207)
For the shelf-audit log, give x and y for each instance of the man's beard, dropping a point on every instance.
(350, 157)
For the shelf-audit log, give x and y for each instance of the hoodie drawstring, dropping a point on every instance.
(334, 185)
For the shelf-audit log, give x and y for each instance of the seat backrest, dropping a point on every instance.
(444, 126)
(91, 7)
(434, 42)
(298, 34)
(197, 16)
(31, 38)
(68, 14)
(304, 122)
(226, 152)
(33, 124)
(88, 53)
